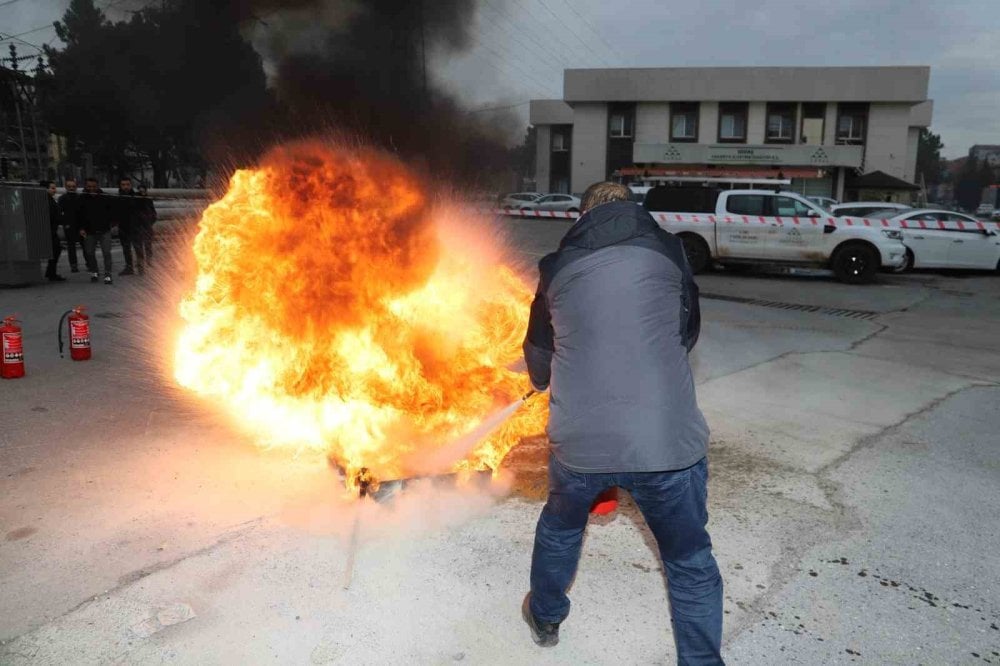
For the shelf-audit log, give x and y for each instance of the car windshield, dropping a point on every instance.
(885, 214)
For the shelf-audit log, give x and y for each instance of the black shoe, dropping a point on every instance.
(545, 634)
(74, 269)
(107, 278)
(56, 278)
(94, 277)
(127, 271)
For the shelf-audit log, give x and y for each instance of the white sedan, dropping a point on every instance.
(518, 199)
(560, 202)
(952, 247)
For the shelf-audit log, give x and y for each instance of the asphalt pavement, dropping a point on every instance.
(855, 481)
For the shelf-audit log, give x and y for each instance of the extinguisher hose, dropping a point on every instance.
(61, 321)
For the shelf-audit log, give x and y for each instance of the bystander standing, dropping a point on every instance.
(95, 227)
(146, 219)
(69, 204)
(55, 219)
(126, 217)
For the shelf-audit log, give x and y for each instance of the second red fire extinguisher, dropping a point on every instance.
(79, 333)
(11, 349)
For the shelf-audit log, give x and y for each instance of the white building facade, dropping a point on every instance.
(819, 126)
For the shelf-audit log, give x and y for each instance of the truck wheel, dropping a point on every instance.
(698, 255)
(855, 263)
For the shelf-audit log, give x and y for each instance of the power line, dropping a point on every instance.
(513, 65)
(550, 34)
(26, 43)
(28, 32)
(541, 47)
(492, 64)
(512, 59)
(570, 29)
(613, 51)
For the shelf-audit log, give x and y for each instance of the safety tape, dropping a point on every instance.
(690, 218)
(558, 214)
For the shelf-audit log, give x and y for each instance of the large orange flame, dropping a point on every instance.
(336, 309)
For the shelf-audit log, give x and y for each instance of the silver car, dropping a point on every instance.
(566, 203)
(866, 208)
(518, 199)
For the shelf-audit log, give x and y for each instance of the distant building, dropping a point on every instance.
(822, 127)
(987, 153)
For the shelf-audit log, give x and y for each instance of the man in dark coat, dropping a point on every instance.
(94, 218)
(613, 320)
(146, 217)
(55, 219)
(125, 210)
(69, 203)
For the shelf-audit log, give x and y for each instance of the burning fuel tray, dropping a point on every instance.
(384, 490)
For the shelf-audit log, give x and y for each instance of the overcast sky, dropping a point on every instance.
(520, 47)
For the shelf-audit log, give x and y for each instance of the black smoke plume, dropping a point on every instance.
(360, 68)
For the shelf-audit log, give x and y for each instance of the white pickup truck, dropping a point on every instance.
(742, 227)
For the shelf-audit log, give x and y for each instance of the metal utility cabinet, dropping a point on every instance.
(25, 238)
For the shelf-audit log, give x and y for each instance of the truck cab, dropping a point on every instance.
(758, 226)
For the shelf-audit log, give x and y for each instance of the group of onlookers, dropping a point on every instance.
(87, 219)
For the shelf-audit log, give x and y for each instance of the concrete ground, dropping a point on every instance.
(855, 483)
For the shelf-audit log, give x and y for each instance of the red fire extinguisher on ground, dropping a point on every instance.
(605, 503)
(11, 349)
(79, 333)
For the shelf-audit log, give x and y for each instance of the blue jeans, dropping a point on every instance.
(673, 504)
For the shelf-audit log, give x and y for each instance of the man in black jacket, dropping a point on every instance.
(55, 219)
(95, 227)
(146, 218)
(69, 203)
(126, 217)
(613, 320)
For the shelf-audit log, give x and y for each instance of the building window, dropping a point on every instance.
(852, 123)
(780, 123)
(684, 121)
(732, 122)
(620, 124)
(813, 123)
(560, 142)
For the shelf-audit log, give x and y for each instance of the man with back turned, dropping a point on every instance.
(613, 320)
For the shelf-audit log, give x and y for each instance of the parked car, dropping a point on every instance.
(745, 227)
(517, 199)
(559, 202)
(985, 210)
(825, 202)
(976, 246)
(866, 208)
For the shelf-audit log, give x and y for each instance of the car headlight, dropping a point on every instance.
(894, 234)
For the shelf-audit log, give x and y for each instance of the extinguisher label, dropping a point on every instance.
(13, 351)
(79, 334)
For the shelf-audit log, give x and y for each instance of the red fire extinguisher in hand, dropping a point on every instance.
(11, 349)
(79, 333)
